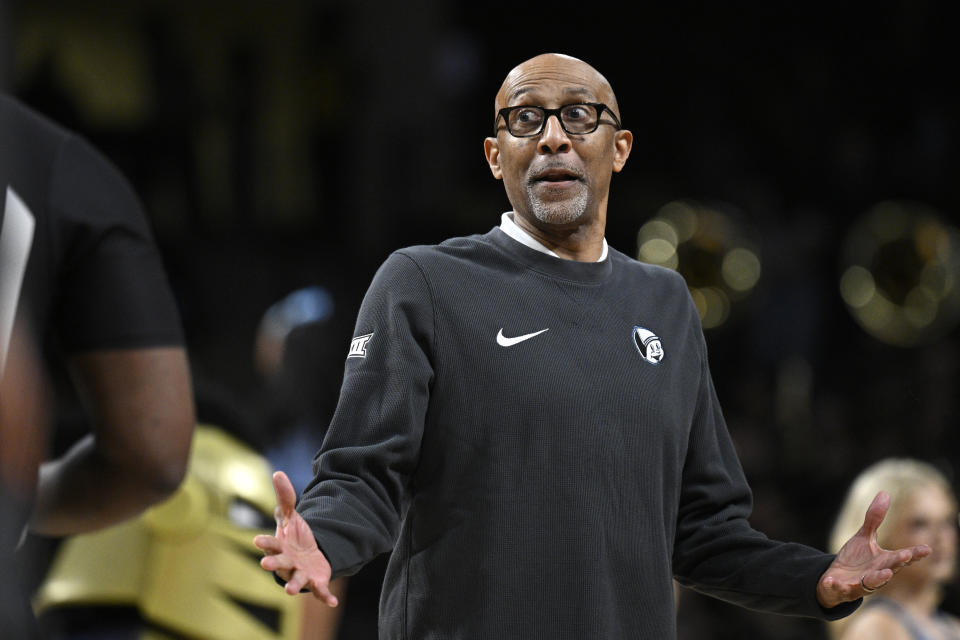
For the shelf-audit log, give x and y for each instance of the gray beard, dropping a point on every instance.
(559, 212)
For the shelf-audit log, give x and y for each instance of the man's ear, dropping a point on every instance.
(491, 149)
(622, 143)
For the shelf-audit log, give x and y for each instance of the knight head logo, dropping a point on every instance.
(648, 344)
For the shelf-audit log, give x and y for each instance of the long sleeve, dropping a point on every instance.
(716, 551)
(362, 472)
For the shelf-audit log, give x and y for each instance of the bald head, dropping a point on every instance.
(584, 81)
(556, 168)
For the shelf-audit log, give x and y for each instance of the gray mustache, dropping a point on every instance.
(541, 171)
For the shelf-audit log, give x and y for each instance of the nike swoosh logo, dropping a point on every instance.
(504, 341)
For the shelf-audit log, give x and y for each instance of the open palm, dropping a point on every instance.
(862, 565)
(292, 552)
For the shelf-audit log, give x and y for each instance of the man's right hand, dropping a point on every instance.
(293, 553)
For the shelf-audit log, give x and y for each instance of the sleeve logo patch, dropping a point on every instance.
(648, 345)
(358, 346)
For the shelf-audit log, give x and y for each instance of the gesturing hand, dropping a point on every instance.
(862, 566)
(292, 552)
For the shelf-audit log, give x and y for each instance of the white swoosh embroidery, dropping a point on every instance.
(504, 341)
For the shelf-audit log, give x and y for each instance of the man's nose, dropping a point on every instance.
(553, 139)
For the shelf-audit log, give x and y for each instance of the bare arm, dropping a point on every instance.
(23, 421)
(141, 405)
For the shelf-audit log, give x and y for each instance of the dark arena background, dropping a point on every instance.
(797, 162)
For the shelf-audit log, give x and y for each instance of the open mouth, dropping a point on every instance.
(558, 176)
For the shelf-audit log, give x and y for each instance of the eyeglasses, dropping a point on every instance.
(525, 121)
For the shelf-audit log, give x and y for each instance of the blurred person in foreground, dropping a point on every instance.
(23, 436)
(923, 510)
(527, 419)
(94, 294)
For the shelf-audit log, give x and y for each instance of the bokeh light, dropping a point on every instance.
(713, 253)
(899, 276)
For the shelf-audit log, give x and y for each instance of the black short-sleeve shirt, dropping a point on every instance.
(94, 277)
(93, 280)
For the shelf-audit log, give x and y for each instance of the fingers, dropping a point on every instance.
(900, 558)
(277, 562)
(846, 581)
(296, 583)
(831, 592)
(873, 580)
(268, 544)
(919, 552)
(319, 588)
(322, 592)
(296, 579)
(286, 495)
(875, 514)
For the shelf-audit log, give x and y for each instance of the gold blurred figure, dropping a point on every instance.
(188, 565)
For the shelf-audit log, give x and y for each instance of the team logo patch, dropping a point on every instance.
(648, 344)
(358, 346)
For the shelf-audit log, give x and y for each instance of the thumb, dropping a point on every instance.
(875, 514)
(286, 496)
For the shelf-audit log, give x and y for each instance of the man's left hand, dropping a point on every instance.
(862, 566)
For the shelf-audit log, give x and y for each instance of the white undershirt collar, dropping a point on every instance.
(512, 229)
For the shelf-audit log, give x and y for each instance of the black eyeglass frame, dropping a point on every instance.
(599, 106)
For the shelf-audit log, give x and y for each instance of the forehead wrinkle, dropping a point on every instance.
(569, 91)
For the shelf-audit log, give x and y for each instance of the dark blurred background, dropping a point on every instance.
(283, 144)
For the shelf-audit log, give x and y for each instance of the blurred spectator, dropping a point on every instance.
(94, 293)
(923, 510)
(299, 362)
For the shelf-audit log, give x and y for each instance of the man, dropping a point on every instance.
(88, 280)
(538, 470)
(22, 436)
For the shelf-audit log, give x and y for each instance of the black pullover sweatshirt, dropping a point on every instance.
(539, 467)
